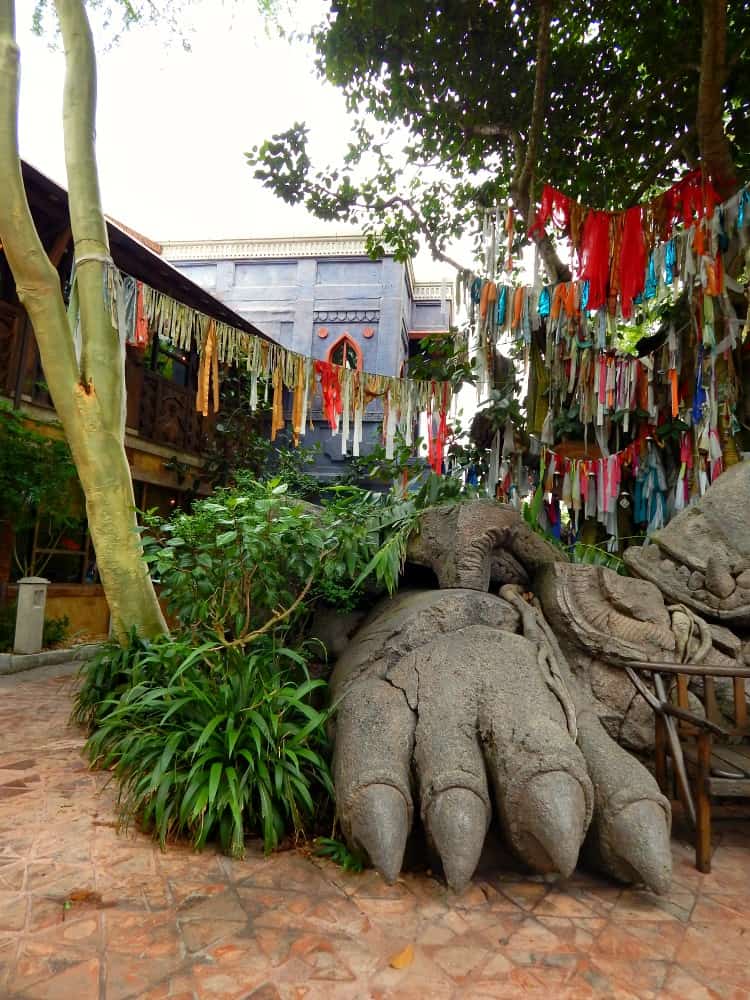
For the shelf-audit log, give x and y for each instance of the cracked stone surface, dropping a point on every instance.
(151, 925)
(702, 557)
(504, 693)
(441, 703)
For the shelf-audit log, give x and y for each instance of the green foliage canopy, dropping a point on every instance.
(617, 109)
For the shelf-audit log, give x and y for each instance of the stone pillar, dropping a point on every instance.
(32, 598)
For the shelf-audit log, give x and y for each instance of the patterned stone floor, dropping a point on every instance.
(88, 913)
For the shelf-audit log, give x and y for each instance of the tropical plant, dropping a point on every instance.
(209, 744)
(240, 562)
(292, 467)
(338, 852)
(253, 558)
(37, 479)
(376, 468)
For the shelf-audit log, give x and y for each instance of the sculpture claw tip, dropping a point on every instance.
(553, 818)
(639, 841)
(380, 826)
(457, 822)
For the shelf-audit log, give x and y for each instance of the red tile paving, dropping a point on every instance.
(144, 924)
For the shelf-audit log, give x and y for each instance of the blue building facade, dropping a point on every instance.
(324, 297)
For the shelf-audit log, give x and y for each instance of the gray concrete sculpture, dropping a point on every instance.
(457, 702)
(702, 557)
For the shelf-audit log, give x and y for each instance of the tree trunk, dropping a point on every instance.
(523, 175)
(715, 151)
(89, 395)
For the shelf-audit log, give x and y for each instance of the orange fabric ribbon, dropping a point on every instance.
(297, 400)
(208, 372)
(517, 307)
(140, 333)
(488, 298)
(277, 409)
(675, 396)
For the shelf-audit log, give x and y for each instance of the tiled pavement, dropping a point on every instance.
(88, 913)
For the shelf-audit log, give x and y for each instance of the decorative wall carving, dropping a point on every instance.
(167, 414)
(346, 316)
(278, 248)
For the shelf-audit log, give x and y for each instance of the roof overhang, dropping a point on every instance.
(49, 207)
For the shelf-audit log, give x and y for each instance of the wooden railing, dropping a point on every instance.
(158, 408)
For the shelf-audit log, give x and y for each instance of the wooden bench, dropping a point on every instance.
(705, 750)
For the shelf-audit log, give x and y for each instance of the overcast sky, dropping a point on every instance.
(172, 126)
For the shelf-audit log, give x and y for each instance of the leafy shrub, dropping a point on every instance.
(205, 744)
(56, 631)
(112, 670)
(252, 558)
(37, 478)
(237, 559)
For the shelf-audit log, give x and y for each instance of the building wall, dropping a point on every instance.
(308, 293)
(308, 303)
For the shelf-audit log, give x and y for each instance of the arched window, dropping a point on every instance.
(346, 352)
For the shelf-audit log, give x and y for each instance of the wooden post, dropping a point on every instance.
(660, 756)
(703, 805)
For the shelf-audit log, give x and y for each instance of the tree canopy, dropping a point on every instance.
(607, 100)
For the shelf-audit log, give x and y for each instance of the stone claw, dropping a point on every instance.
(552, 823)
(636, 847)
(380, 823)
(456, 822)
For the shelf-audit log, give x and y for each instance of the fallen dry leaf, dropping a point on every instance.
(84, 896)
(403, 958)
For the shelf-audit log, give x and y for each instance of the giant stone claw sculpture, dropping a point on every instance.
(456, 702)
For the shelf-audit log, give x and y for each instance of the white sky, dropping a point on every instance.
(172, 126)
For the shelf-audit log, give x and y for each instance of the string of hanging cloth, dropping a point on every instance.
(619, 259)
(139, 312)
(581, 366)
(683, 385)
(591, 487)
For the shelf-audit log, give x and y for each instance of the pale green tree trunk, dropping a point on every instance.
(88, 392)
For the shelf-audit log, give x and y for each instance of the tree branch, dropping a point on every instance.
(525, 168)
(669, 156)
(37, 281)
(102, 355)
(429, 237)
(400, 201)
(538, 108)
(243, 640)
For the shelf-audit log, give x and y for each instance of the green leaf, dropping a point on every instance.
(207, 732)
(226, 538)
(213, 781)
